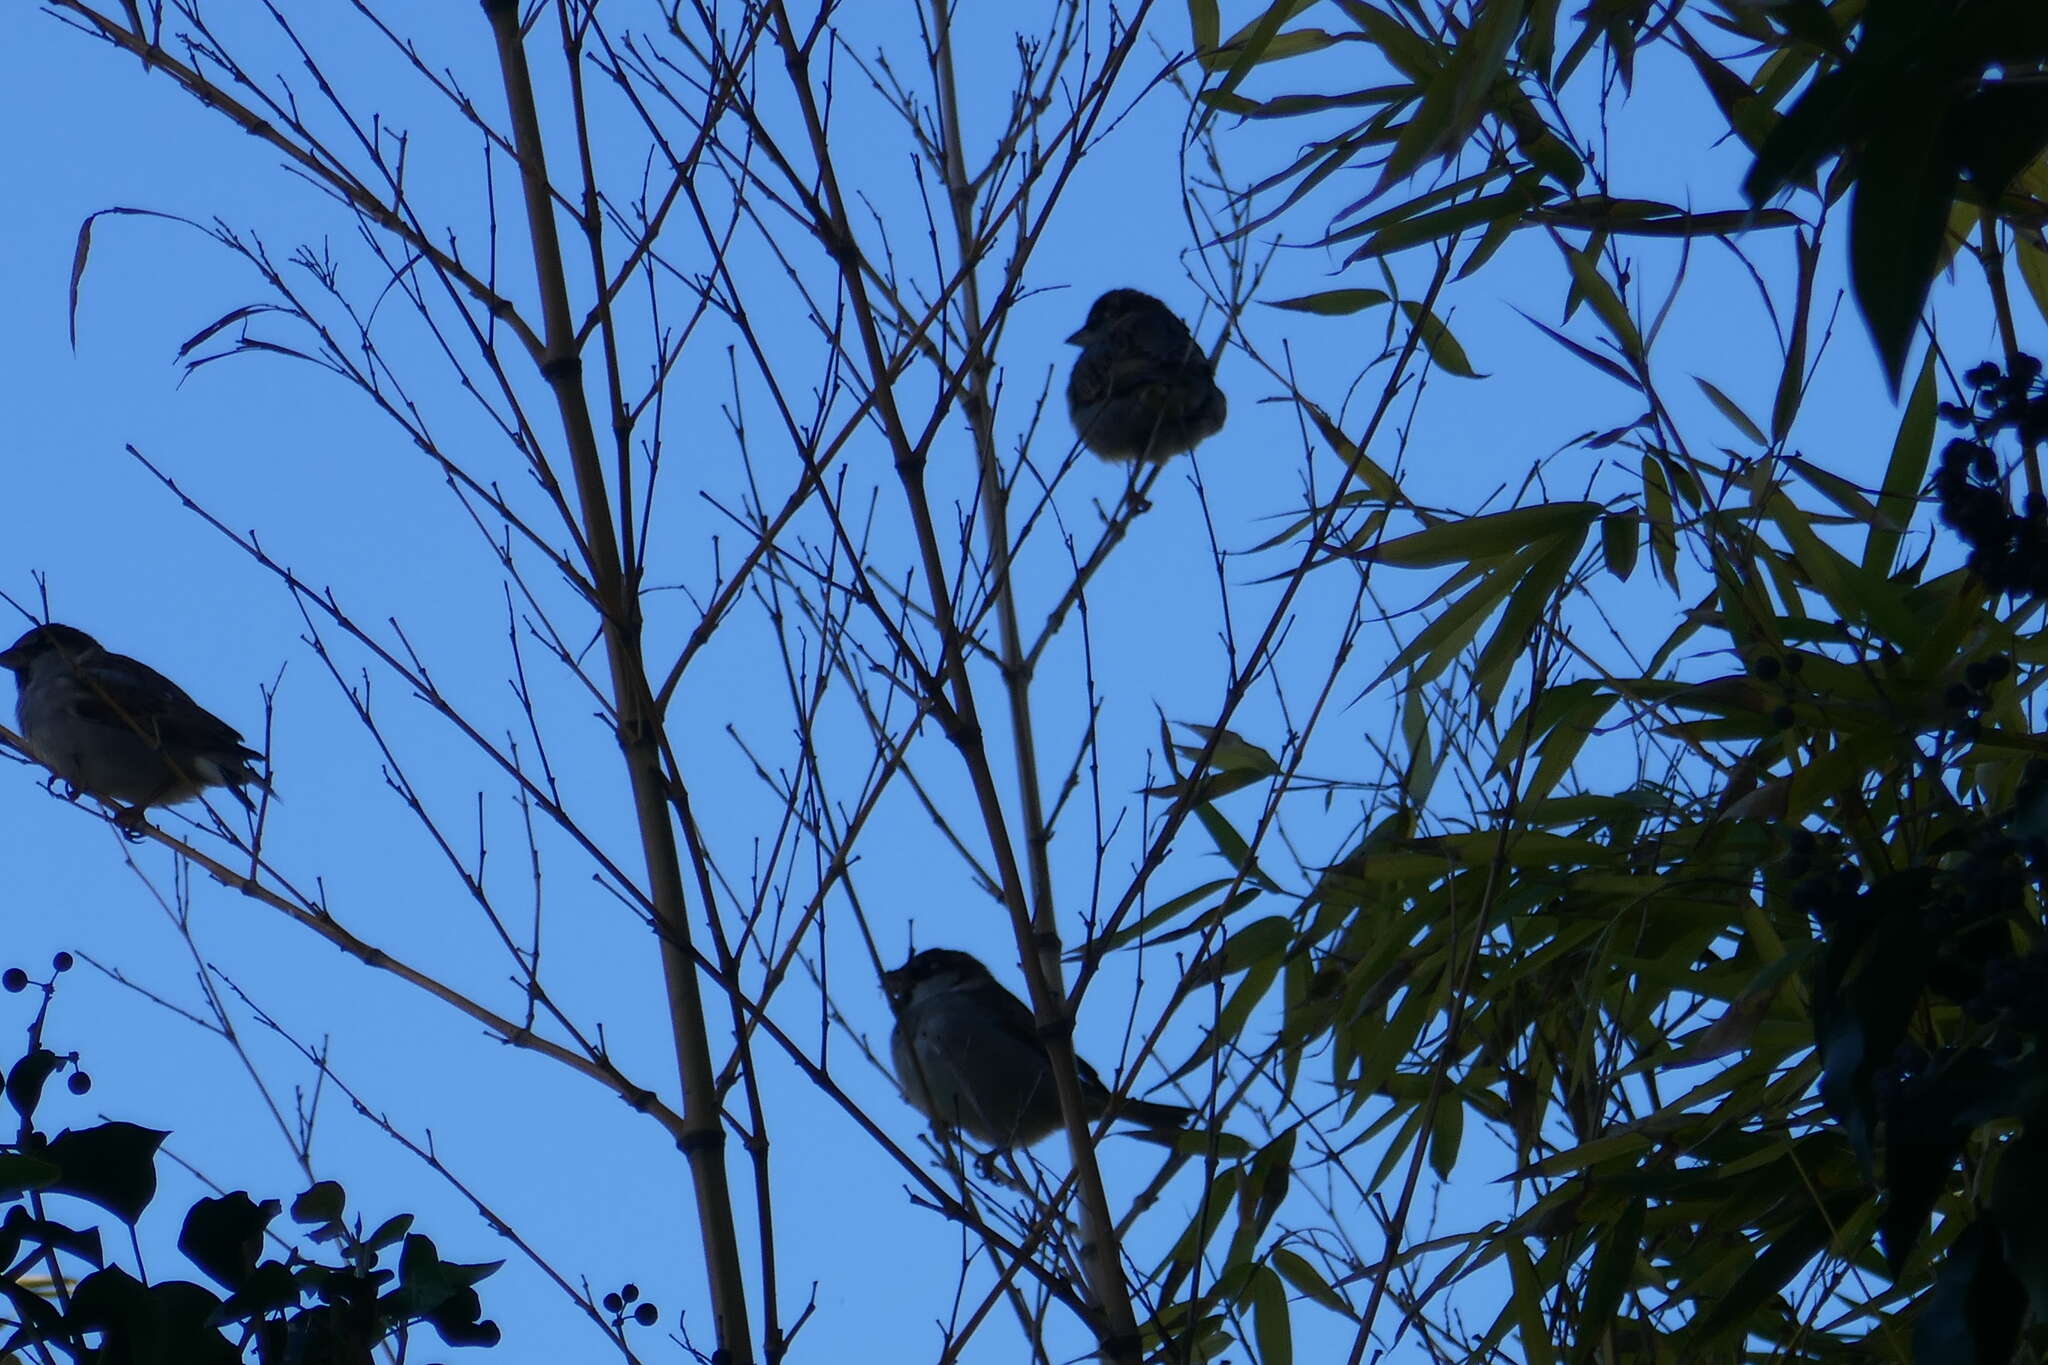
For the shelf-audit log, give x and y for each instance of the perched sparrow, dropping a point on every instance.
(969, 1056)
(117, 728)
(1142, 389)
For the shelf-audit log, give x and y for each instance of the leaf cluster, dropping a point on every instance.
(270, 1300)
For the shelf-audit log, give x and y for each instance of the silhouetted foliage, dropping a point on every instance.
(289, 1307)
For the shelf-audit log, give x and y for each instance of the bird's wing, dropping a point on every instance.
(1015, 1021)
(1151, 362)
(1166, 341)
(1012, 1018)
(119, 691)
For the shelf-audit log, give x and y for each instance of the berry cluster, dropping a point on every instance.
(618, 1302)
(1825, 885)
(1769, 668)
(2008, 548)
(2000, 402)
(1967, 700)
(1971, 904)
(14, 981)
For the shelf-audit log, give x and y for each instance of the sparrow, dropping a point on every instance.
(1141, 388)
(118, 729)
(969, 1056)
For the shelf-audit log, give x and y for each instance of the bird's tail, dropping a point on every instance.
(242, 773)
(1149, 1114)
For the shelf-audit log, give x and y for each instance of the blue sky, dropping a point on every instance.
(343, 498)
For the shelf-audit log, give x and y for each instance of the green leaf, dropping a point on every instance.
(1620, 540)
(224, 1236)
(171, 1320)
(1259, 974)
(2033, 263)
(20, 1173)
(1835, 489)
(1437, 643)
(1611, 1275)
(1272, 1328)
(1456, 96)
(1506, 206)
(1733, 412)
(1378, 483)
(1233, 752)
(1334, 302)
(1521, 619)
(389, 1231)
(1657, 506)
(1230, 843)
(1250, 45)
(1446, 1131)
(25, 1080)
(1589, 1153)
(1974, 1311)
(1437, 341)
(1524, 1309)
(1904, 474)
(1412, 54)
(112, 1165)
(1749, 114)
(322, 1203)
(1606, 302)
(1559, 744)
(1308, 1281)
(1855, 593)
(1264, 1192)
(2018, 1195)
(1611, 368)
(1165, 914)
(1482, 537)
(1780, 1256)
(1262, 941)
(1896, 222)
(1647, 218)
(1206, 786)
(1792, 377)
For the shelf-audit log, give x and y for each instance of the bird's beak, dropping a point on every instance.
(13, 658)
(1080, 338)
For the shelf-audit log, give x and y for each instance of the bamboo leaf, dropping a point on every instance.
(1733, 412)
(1309, 1282)
(1608, 367)
(1334, 302)
(1442, 348)
(1606, 303)
(1272, 1328)
(1621, 536)
(1481, 537)
(1792, 378)
(1904, 473)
